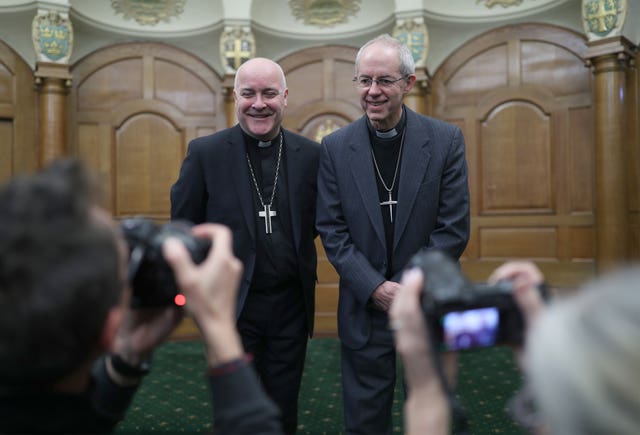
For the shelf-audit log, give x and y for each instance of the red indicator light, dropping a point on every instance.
(180, 300)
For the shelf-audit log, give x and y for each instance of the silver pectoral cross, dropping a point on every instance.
(267, 214)
(390, 202)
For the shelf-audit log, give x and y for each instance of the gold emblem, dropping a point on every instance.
(237, 45)
(328, 126)
(603, 18)
(148, 13)
(324, 13)
(52, 36)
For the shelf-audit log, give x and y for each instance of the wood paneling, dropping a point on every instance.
(18, 114)
(514, 151)
(321, 99)
(523, 98)
(135, 108)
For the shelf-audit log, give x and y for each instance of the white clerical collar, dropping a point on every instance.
(387, 134)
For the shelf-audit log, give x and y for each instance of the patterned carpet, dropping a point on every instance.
(175, 399)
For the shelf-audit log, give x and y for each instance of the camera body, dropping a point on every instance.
(149, 274)
(462, 314)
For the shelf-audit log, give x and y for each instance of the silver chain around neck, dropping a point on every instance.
(395, 173)
(275, 180)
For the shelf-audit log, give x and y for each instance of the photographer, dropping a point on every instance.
(581, 356)
(72, 350)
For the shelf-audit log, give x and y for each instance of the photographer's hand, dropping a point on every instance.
(427, 408)
(142, 330)
(210, 289)
(526, 278)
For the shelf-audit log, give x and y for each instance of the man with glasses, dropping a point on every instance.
(260, 180)
(389, 184)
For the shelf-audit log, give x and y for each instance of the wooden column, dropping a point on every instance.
(53, 83)
(229, 104)
(633, 162)
(610, 61)
(418, 98)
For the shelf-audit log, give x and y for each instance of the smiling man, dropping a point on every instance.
(260, 180)
(389, 184)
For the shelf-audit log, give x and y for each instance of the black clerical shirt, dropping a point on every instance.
(276, 264)
(387, 152)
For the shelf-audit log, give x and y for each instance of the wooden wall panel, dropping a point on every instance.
(298, 81)
(506, 243)
(6, 148)
(135, 108)
(515, 160)
(148, 155)
(18, 115)
(111, 85)
(481, 74)
(523, 98)
(322, 98)
(581, 164)
(181, 87)
(553, 68)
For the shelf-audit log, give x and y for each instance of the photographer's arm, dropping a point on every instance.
(240, 405)
(426, 408)
(527, 279)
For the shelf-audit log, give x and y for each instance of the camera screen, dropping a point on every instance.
(470, 328)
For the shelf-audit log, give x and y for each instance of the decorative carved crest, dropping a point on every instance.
(602, 18)
(324, 13)
(148, 13)
(413, 33)
(237, 45)
(52, 36)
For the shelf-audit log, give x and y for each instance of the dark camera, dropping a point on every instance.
(462, 314)
(149, 274)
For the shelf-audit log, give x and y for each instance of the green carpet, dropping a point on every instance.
(174, 398)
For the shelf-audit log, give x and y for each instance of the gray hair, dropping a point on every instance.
(583, 358)
(407, 64)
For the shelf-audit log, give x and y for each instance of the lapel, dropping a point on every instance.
(241, 177)
(295, 183)
(415, 159)
(363, 174)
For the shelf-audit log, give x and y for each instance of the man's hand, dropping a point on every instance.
(384, 294)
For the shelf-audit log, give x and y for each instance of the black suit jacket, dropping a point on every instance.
(432, 210)
(215, 186)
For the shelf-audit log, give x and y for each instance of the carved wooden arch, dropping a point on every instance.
(508, 39)
(321, 94)
(135, 107)
(523, 98)
(18, 115)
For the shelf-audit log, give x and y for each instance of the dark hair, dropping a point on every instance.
(59, 274)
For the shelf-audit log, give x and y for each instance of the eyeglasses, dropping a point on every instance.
(364, 82)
